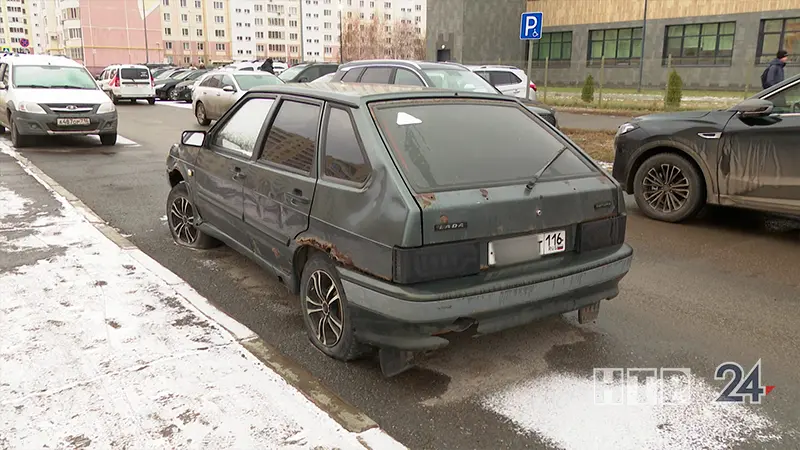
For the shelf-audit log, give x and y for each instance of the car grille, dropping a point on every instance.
(70, 108)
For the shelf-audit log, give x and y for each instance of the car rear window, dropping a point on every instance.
(135, 74)
(447, 145)
(247, 82)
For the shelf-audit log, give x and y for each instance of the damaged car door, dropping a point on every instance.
(760, 157)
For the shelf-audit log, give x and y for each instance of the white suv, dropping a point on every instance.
(52, 95)
(509, 80)
(128, 82)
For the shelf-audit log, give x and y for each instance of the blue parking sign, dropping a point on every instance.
(531, 26)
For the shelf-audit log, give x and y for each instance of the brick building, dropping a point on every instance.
(712, 43)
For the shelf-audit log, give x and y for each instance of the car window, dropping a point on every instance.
(292, 138)
(497, 143)
(459, 80)
(215, 81)
(50, 76)
(227, 80)
(251, 80)
(352, 75)
(786, 100)
(379, 75)
(4, 73)
(484, 74)
(344, 158)
(290, 73)
(240, 132)
(325, 70)
(407, 77)
(247, 68)
(499, 78)
(135, 74)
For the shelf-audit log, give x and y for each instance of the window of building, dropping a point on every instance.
(74, 33)
(778, 34)
(186, 46)
(198, 18)
(185, 31)
(292, 139)
(166, 17)
(168, 31)
(259, 21)
(168, 45)
(76, 53)
(218, 5)
(183, 3)
(259, 8)
(200, 46)
(275, 35)
(198, 4)
(555, 46)
(621, 46)
(240, 134)
(165, 2)
(699, 44)
(221, 47)
(219, 19)
(199, 32)
(259, 47)
(219, 33)
(184, 17)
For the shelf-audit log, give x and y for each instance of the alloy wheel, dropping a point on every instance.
(181, 220)
(666, 188)
(173, 95)
(324, 309)
(201, 113)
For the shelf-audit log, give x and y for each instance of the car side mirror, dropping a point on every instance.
(194, 138)
(229, 88)
(754, 107)
(3, 86)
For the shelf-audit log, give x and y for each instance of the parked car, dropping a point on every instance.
(390, 243)
(49, 96)
(157, 72)
(184, 89)
(325, 78)
(746, 156)
(417, 73)
(170, 73)
(217, 92)
(165, 89)
(307, 72)
(128, 82)
(509, 80)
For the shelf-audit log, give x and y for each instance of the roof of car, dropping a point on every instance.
(492, 66)
(355, 94)
(420, 65)
(40, 60)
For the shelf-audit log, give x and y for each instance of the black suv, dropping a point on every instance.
(307, 72)
(420, 73)
(400, 213)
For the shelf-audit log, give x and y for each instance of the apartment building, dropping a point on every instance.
(195, 32)
(17, 27)
(711, 43)
(266, 28)
(322, 21)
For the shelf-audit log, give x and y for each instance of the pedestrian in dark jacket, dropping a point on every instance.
(267, 66)
(775, 69)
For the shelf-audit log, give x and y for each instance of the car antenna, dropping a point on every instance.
(541, 171)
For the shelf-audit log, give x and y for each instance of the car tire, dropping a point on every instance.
(184, 232)
(680, 184)
(18, 140)
(173, 95)
(114, 99)
(200, 114)
(108, 139)
(2, 129)
(320, 273)
(151, 101)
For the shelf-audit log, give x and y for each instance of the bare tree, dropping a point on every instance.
(375, 38)
(405, 42)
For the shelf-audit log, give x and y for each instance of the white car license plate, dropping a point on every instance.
(72, 121)
(552, 242)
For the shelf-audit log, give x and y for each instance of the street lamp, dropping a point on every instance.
(341, 31)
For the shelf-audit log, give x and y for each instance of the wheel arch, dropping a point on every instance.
(660, 147)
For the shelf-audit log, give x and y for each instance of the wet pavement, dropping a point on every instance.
(721, 288)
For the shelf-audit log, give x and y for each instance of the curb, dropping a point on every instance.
(344, 413)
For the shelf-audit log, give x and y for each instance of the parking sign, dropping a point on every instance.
(531, 26)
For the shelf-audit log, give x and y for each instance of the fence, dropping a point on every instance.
(616, 82)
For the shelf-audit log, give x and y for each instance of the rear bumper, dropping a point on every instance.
(46, 124)
(386, 315)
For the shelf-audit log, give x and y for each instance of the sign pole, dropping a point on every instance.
(530, 70)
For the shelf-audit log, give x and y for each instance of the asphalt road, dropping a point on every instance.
(722, 288)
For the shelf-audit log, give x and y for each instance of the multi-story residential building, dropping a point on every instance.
(18, 28)
(711, 43)
(266, 28)
(195, 31)
(322, 21)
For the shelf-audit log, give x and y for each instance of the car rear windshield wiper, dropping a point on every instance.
(541, 171)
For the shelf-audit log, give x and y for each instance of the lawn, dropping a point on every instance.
(599, 144)
(576, 91)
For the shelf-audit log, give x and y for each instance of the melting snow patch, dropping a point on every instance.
(11, 204)
(562, 410)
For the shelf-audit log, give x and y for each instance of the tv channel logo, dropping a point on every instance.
(642, 386)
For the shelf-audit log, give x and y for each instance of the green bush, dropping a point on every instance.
(587, 93)
(674, 91)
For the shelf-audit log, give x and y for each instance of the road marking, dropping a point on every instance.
(121, 140)
(175, 104)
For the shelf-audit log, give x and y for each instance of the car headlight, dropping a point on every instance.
(106, 108)
(159, 86)
(626, 128)
(30, 107)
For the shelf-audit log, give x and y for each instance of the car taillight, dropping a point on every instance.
(152, 81)
(533, 86)
(115, 82)
(436, 262)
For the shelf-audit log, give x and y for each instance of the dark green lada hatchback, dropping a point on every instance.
(400, 214)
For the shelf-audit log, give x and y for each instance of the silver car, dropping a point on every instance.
(218, 91)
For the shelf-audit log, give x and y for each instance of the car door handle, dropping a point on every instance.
(296, 198)
(710, 135)
(238, 174)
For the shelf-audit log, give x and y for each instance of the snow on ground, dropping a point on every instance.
(175, 104)
(562, 410)
(98, 352)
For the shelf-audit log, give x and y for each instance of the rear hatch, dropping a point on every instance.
(472, 166)
(135, 81)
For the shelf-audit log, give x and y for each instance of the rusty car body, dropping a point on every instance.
(746, 156)
(380, 207)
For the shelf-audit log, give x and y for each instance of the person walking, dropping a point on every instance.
(267, 66)
(774, 72)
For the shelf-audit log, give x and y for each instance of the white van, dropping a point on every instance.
(128, 82)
